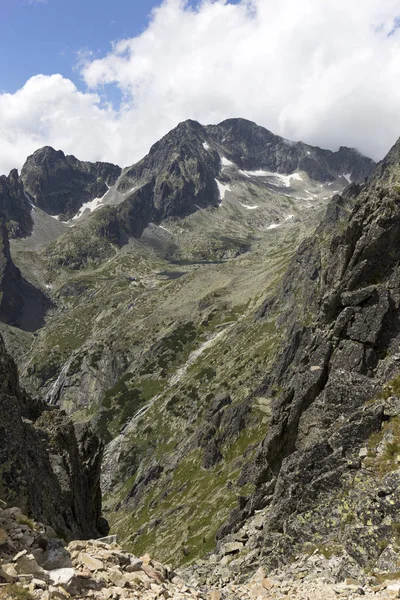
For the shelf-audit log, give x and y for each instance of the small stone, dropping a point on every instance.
(232, 547)
(18, 556)
(26, 563)
(3, 537)
(215, 595)
(27, 540)
(394, 590)
(363, 453)
(267, 583)
(117, 578)
(57, 593)
(150, 572)
(8, 572)
(25, 578)
(38, 584)
(146, 559)
(76, 545)
(93, 564)
(259, 575)
(61, 576)
(134, 565)
(351, 581)
(258, 591)
(258, 521)
(109, 539)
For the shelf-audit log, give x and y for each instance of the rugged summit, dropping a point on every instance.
(60, 184)
(180, 170)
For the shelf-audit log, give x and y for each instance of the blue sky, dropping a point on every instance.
(321, 71)
(45, 37)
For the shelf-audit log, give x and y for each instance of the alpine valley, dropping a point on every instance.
(201, 353)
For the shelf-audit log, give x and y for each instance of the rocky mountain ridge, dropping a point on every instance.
(189, 170)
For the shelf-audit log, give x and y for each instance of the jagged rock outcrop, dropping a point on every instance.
(15, 205)
(59, 184)
(326, 473)
(182, 171)
(47, 466)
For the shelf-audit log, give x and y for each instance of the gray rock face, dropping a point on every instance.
(21, 303)
(15, 205)
(60, 184)
(10, 281)
(328, 379)
(173, 180)
(47, 467)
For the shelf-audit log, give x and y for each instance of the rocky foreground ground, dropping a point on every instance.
(35, 564)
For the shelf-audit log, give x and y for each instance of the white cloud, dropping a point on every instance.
(325, 72)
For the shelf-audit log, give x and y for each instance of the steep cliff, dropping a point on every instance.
(326, 475)
(15, 205)
(48, 467)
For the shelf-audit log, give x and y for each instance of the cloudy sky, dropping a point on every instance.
(107, 79)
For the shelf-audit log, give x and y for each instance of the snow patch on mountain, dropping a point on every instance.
(248, 206)
(88, 206)
(273, 225)
(286, 180)
(226, 163)
(222, 189)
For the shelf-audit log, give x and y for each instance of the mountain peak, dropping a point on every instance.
(60, 184)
